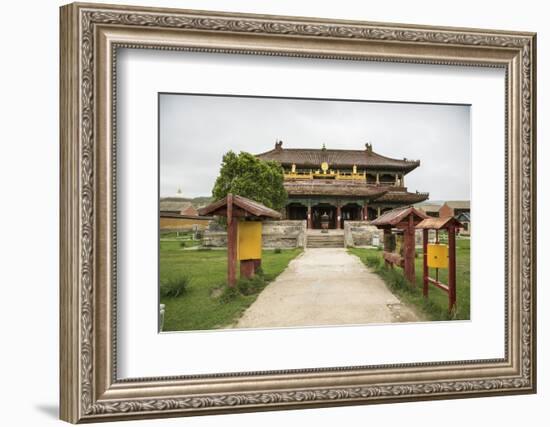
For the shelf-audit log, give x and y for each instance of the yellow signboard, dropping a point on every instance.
(438, 256)
(250, 240)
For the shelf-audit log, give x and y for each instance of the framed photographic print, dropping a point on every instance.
(267, 212)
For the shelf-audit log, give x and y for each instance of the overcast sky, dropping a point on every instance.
(195, 132)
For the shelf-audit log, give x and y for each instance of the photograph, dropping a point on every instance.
(299, 212)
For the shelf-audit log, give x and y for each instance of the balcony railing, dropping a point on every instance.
(330, 174)
(341, 176)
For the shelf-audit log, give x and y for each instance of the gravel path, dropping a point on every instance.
(326, 287)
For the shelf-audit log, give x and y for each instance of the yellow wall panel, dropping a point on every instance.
(438, 256)
(250, 240)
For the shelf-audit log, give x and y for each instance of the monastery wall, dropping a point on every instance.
(275, 234)
(361, 233)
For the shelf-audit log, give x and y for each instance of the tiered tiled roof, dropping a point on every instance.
(313, 157)
(403, 197)
(329, 187)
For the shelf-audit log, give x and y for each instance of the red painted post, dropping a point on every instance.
(409, 252)
(425, 256)
(248, 268)
(387, 235)
(257, 264)
(437, 242)
(452, 268)
(231, 243)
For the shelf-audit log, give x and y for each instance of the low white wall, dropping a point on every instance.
(361, 233)
(275, 234)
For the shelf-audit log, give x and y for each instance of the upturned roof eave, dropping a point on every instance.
(248, 205)
(395, 216)
(334, 193)
(407, 198)
(273, 154)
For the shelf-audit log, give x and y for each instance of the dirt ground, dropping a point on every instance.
(326, 287)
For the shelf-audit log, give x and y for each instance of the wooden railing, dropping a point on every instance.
(330, 174)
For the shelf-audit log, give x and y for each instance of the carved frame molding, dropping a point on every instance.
(90, 36)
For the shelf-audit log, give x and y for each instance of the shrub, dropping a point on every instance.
(260, 271)
(174, 287)
(250, 286)
(245, 286)
(182, 244)
(277, 250)
(373, 261)
(228, 294)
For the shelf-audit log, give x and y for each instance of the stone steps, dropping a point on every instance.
(325, 241)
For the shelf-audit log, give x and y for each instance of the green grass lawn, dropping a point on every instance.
(184, 238)
(200, 306)
(436, 307)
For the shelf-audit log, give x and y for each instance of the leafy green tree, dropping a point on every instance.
(245, 175)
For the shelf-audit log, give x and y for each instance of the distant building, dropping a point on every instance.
(170, 221)
(464, 218)
(346, 185)
(190, 211)
(429, 209)
(174, 204)
(460, 210)
(178, 214)
(454, 208)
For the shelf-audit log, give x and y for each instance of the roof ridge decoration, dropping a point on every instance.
(336, 157)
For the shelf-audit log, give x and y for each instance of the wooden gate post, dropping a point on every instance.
(452, 267)
(232, 237)
(235, 207)
(409, 252)
(425, 262)
(248, 268)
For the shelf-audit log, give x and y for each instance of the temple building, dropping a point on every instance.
(347, 185)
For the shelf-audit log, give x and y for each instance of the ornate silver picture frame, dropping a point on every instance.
(91, 34)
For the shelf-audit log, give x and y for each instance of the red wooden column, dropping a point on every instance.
(387, 234)
(308, 216)
(365, 212)
(248, 268)
(232, 237)
(425, 261)
(338, 216)
(452, 267)
(408, 252)
(387, 248)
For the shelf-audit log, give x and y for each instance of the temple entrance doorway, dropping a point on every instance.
(350, 212)
(372, 213)
(296, 211)
(318, 210)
